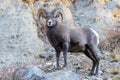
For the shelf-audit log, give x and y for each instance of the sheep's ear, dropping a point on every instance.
(44, 16)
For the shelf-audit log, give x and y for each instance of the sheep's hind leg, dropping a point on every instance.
(88, 54)
(97, 67)
(97, 59)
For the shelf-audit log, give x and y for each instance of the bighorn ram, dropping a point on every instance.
(70, 40)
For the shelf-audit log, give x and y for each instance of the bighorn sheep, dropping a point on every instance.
(70, 40)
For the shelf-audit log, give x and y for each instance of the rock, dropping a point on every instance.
(94, 78)
(38, 4)
(100, 72)
(28, 1)
(88, 13)
(116, 11)
(47, 56)
(99, 79)
(109, 79)
(30, 73)
(63, 75)
(111, 4)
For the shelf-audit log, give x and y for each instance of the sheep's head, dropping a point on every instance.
(50, 16)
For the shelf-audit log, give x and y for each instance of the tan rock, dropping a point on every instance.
(28, 1)
(116, 11)
(103, 1)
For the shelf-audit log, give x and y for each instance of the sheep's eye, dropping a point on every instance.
(44, 16)
(56, 16)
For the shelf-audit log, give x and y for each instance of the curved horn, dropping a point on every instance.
(59, 11)
(40, 12)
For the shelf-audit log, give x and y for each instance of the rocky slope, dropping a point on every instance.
(19, 41)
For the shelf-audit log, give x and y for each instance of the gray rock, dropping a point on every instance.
(111, 4)
(63, 75)
(94, 78)
(109, 79)
(47, 56)
(91, 14)
(34, 73)
(99, 79)
(30, 73)
(38, 4)
(18, 33)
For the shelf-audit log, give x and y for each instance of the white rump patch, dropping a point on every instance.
(97, 35)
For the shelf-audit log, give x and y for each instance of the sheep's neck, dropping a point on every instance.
(52, 29)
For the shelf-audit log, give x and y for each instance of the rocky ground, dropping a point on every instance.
(78, 69)
(25, 53)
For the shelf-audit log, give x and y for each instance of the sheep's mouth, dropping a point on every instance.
(50, 23)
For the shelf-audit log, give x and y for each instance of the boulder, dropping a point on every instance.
(30, 73)
(19, 41)
(63, 75)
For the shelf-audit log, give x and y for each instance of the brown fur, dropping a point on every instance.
(77, 38)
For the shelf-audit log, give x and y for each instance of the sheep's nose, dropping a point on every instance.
(49, 22)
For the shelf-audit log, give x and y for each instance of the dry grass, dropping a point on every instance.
(115, 54)
(114, 70)
(112, 41)
(8, 71)
(110, 32)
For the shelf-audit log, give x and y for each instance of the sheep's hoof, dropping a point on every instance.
(64, 68)
(96, 74)
(58, 68)
(90, 74)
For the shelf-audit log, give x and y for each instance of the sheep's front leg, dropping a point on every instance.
(57, 58)
(65, 51)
